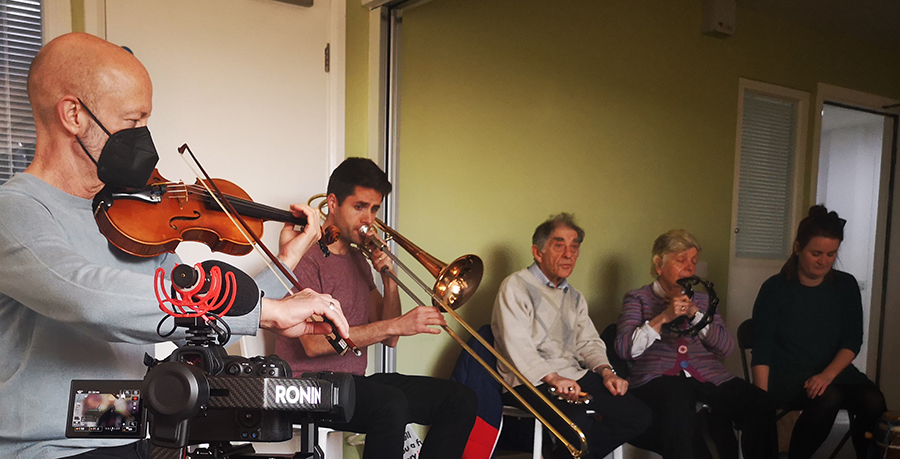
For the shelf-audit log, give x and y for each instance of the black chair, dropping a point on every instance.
(623, 370)
(622, 366)
(745, 335)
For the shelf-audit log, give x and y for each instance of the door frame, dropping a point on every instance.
(826, 93)
(385, 52)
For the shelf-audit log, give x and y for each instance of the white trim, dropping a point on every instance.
(384, 358)
(391, 159)
(95, 17)
(337, 83)
(850, 97)
(57, 17)
(378, 30)
(372, 4)
(879, 261)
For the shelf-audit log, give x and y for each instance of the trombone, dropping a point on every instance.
(455, 284)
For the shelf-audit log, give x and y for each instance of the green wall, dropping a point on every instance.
(357, 79)
(618, 111)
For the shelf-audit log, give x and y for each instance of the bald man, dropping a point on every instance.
(73, 306)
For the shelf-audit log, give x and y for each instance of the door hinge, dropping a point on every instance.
(327, 57)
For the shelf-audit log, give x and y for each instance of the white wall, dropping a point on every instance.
(243, 83)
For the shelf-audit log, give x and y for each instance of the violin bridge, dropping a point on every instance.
(182, 197)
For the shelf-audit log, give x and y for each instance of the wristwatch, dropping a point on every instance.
(600, 369)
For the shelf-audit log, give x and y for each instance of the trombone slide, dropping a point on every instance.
(459, 297)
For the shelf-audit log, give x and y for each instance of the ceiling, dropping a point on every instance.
(874, 21)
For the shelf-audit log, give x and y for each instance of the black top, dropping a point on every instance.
(800, 329)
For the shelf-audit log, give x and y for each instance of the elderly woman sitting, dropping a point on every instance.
(672, 371)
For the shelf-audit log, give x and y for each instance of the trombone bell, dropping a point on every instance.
(457, 282)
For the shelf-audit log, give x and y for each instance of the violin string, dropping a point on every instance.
(205, 193)
(237, 225)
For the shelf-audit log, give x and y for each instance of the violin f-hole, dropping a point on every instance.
(187, 219)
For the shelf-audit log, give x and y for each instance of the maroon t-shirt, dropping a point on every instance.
(348, 278)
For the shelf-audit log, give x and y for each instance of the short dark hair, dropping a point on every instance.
(543, 231)
(354, 172)
(819, 222)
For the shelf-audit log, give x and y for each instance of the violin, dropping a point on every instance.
(156, 218)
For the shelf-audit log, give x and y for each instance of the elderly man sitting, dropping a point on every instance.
(541, 325)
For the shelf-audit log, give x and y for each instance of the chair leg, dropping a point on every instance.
(538, 438)
(617, 453)
(333, 441)
(840, 445)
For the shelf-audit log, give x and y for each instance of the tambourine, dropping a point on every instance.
(677, 326)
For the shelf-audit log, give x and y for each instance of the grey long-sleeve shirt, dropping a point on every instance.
(71, 307)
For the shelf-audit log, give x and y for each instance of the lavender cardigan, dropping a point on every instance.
(703, 354)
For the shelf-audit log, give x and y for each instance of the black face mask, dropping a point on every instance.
(127, 159)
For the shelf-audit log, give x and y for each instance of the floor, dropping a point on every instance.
(837, 432)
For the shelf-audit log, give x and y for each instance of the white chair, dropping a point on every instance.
(538, 427)
(539, 431)
(331, 442)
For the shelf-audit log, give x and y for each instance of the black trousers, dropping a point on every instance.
(387, 402)
(864, 402)
(617, 419)
(675, 432)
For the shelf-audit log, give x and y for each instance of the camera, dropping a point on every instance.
(201, 395)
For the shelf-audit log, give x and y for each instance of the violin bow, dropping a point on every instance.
(340, 345)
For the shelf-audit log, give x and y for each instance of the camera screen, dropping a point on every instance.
(105, 409)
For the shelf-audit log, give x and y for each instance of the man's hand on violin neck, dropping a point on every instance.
(288, 316)
(292, 244)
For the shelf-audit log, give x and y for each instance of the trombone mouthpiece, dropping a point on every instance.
(364, 230)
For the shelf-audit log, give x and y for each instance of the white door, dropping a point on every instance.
(244, 84)
(767, 192)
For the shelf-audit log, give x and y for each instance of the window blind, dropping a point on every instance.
(768, 139)
(20, 39)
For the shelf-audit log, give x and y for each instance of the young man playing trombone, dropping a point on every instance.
(385, 402)
(541, 326)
